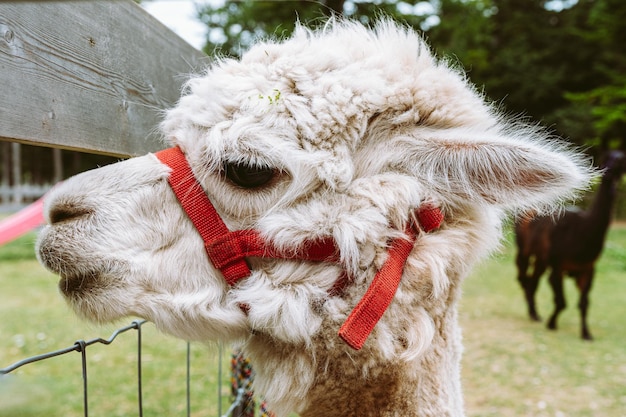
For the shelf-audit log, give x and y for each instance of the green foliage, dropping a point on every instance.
(469, 45)
(605, 100)
(525, 66)
(607, 107)
(18, 249)
(234, 26)
(237, 24)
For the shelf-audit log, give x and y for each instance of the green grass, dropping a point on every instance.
(511, 366)
(515, 367)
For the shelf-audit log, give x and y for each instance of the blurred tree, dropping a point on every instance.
(534, 56)
(604, 102)
(236, 24)
(464, 32)
(557, 61)
(519, 48)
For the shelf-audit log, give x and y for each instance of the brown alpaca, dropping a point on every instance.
(569, 244)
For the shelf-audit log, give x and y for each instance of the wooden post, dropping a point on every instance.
(16, 155)
(57, 164)
(5, 184)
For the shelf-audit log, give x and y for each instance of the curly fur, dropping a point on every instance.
(361, 126)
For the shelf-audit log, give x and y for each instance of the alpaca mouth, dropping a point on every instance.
(73, 281)
(71, 285)
(80, 274)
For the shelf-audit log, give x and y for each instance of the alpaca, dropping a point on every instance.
(321, 203)
(568, 244)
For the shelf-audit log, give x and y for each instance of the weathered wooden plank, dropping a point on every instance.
(88, 75)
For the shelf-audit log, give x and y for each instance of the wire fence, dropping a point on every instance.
(243, 404)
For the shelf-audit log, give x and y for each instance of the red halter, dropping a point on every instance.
(227, 250)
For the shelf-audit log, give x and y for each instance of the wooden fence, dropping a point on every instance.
(88, 75)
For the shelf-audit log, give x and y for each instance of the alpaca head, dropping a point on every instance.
(340, 134)
(614, 164)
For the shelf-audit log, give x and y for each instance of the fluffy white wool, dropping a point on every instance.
(361, 127)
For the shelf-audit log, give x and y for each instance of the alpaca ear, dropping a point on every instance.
(521, 170)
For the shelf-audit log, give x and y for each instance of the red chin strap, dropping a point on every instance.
(227, 250)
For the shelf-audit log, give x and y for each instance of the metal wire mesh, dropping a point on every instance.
(241, 389)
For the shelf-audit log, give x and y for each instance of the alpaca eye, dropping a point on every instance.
(247, 176)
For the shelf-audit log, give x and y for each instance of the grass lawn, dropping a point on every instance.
(511, 366)
(515, 367)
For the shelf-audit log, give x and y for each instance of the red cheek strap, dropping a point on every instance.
(228, 250)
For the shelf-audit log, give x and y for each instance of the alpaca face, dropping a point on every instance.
(341, 133)
(118, 246)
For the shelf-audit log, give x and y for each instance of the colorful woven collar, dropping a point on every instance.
(228, 250)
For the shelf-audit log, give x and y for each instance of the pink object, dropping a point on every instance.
(21, 222)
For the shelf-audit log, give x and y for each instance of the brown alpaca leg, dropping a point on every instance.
(527, 283)
(556, 282)
(584, 281)
(531, 288)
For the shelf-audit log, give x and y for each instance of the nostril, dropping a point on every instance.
(64, 212)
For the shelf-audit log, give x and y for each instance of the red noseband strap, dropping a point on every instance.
(227, 250)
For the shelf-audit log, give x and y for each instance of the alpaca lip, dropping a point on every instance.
(72, 284)
(80, 273)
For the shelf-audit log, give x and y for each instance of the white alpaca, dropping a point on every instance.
(337, 135)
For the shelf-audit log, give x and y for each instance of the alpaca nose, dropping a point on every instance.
(65, 211)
